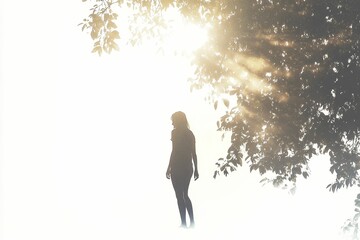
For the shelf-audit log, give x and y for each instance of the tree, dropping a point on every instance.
(287, 71)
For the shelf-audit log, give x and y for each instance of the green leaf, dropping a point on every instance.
(240, 161)
(264, 180)
(215, 104)
(97, 49)
(253, 167)
(114, 35)
(111, 24)
(115, 46)
(106, 17)
(97, 43)
(347, 182)
(96, 19)
(334, 187)
(356, 216)
(332, 168)
(262, 170)
(226, 102)
(94, 34)
(296, 170)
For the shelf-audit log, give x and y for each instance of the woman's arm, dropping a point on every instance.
(194, 157)
(168, 171)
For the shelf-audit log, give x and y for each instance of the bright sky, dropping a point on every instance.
(85, 142)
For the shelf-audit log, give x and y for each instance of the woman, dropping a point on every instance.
(180, 167)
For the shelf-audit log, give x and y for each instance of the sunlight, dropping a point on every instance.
(183, 36)
(167, 57)
(170, 51)
(175, 34)
(247, 73)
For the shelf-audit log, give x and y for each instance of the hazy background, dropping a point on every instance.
(85, 142)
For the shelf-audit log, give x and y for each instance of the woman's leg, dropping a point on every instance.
(188, 204)
(178, 185)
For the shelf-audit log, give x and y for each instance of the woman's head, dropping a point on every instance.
(179, 120)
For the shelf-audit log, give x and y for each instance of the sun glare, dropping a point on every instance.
(179, 35)
(183, 36)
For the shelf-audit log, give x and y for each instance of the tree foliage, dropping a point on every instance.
(287, 71)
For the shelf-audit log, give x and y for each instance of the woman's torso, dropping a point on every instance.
(183, 144)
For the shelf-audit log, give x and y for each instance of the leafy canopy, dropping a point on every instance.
(288, 73)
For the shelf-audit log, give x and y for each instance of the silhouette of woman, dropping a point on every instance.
(180, 167)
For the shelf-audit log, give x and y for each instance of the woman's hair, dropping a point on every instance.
(179, 120)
